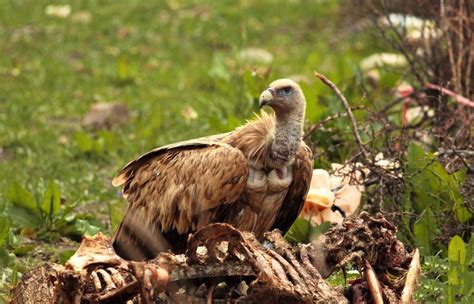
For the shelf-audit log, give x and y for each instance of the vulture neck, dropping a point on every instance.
(288, 136)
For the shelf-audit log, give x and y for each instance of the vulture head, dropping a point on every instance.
(284, 96)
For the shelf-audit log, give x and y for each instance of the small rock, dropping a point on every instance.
(59, 11)
(379, 60)
(189, 113)
(255, 56)
(5, 155)
(63, 140)
(106, 115)
(82, 17)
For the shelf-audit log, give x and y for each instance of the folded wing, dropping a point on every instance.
(174, 190)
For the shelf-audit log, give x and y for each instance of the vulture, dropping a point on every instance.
(254, 178)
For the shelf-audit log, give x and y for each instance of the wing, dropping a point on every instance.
(294, 200)
(175, 190)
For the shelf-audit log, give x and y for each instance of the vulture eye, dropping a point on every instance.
(287, 91)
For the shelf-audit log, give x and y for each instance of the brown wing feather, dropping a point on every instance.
(176, 189)
(124, 174)
(294, 200)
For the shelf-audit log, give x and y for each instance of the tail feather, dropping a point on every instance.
(137, 238)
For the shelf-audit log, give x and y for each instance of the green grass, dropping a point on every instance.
(154, 57)
(157, 57)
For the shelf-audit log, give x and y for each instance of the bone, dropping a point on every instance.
(116, 277)
(109, 284)
(147, 278)
(96, 281)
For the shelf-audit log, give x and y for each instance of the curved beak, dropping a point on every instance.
(265, 98)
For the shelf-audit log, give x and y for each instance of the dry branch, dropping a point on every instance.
(328, 119)
(373, 283)
(413, 275)
(347, 108)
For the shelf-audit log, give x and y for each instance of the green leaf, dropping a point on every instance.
(457, 251)
(20, 197)
(109, 138)
(457, 260)
(14, 275)
(299, 232)
(99, 146)
(4, 229)
(22, 217)
(5, 257)
(425, 231)
(65, 255)
(85, 142)
(123, 68)
(428, 184)
(419, 179)
(463, 215)
(86, 228)
(13, 239)
(51, 200)
(320, 229)
(23, 249)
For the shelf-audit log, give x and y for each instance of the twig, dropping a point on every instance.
(396, 101)
(399, 45)
(412, 276)
(348, 111)
(459, 98)
(460, 56)
(454, 151)
(373, 282)
(448, 40)
(328, 119)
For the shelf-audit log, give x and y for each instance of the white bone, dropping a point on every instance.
(116, 277)
(96, 281)
(109, 284)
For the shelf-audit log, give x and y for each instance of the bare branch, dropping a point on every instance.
(412, 277)
(326, 120)
(374, 285)
(341, 97)
(458, 98)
